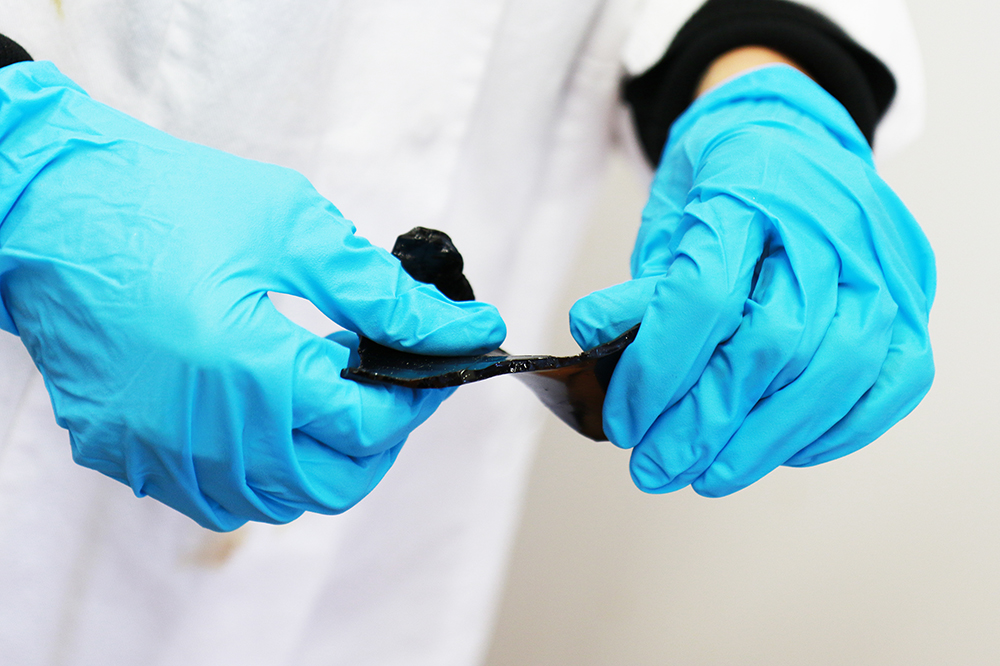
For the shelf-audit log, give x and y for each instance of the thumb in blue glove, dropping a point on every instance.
(135, 268)
(783, 291)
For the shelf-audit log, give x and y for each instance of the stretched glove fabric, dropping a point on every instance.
(135, 268)
(783, 291)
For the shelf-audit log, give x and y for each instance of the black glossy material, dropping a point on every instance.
(573, 387)
(429, 256)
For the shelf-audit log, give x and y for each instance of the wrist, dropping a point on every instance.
(740, 60)
(776, 99)
(859, 81)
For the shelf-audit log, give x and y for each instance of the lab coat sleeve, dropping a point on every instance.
(877, 34)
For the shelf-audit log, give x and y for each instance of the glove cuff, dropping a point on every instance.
(11, 52)
(856, 78)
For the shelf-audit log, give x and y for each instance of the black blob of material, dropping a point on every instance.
(429, 256)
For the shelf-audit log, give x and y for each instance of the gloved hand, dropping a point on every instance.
(135, 268)
(783, 291)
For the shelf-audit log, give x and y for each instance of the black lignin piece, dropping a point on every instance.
(430, 256)
(573, 387)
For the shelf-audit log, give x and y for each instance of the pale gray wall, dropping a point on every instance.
(889, 556)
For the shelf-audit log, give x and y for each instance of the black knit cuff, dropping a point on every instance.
(11, 52)
(846, 70)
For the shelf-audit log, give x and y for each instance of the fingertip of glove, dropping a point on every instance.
(713, 491)
(478, 328)
(603, 315)
(648, 476)
(581, 325)
(589, 321)
(493, 327)
(722, 479)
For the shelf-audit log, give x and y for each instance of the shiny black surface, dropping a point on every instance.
(573, 387)
(390, 366)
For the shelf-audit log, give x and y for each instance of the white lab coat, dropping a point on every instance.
(488, 119)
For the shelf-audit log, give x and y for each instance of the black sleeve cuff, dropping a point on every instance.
(846, 70)
(11, 52)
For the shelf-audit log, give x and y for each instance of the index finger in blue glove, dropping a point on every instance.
(604, 315)
(297, 242)
(365, 289)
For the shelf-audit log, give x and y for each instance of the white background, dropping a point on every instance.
(888, 556)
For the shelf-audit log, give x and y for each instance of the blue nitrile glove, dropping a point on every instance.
(828, 349)
(135, 268)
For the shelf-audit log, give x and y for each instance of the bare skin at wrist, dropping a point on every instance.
(739, 60)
